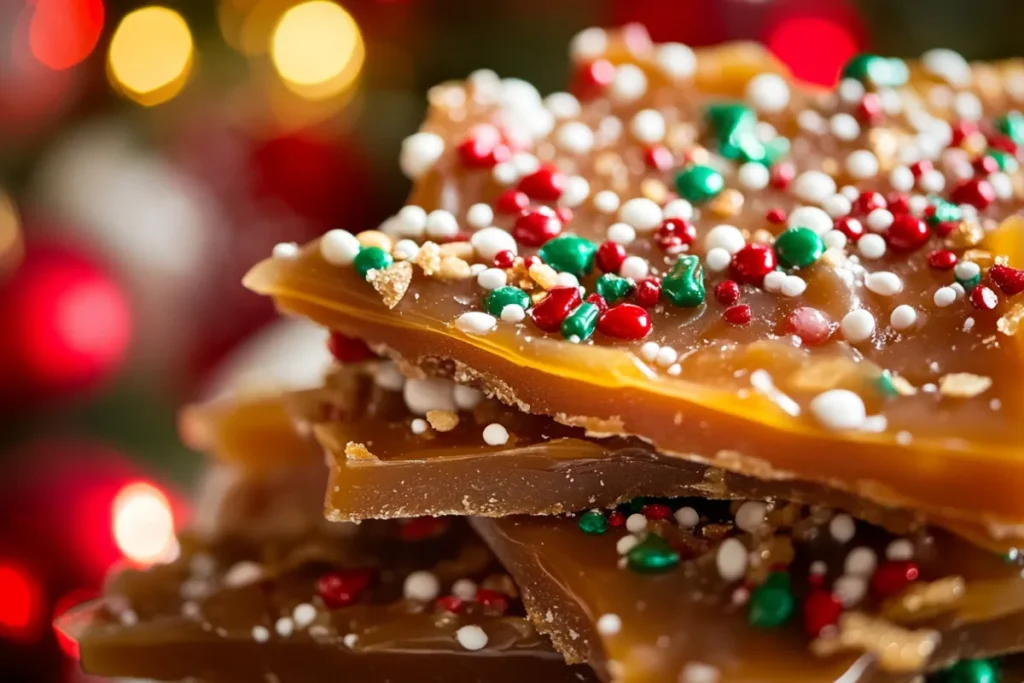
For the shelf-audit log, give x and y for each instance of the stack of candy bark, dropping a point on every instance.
(724, 371)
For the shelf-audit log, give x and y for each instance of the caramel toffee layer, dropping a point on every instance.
(689, 590)
(777, 282)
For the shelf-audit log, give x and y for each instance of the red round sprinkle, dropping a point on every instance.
(555, 307)
(483, 148)
(449, 603)
(985, 165)
(751, 263)
(893, 576)
(674, 233)
(656, 511)
(625, 321)
(821, 609)
(419, 528)
(907, 232)
(546, 183)
(781, 175)
(945, 228)
(776, 216)
(348, 349)
(810, 324)
(342, 588)
(492, 600)
(592, 78)
(536, 226)
(727, 292)
(658, 157)
(942, 259)
(897, 202)
(869, 109)
(984, 298)
(648, 292)
(866, 202)
(961, 130)
(597, 300)
(851, 227)
(1009, 280)
(531, 261)
(919, 168)
(504, 259)
(737, 315)
(977, 192)
(511, 201)
(1003, 143)
(610, 256)
(564, 214)
(616, 519)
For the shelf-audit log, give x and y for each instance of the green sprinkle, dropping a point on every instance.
(1012, 126)
(684, 284)
(593, 522)
(944, 212)
(972, 671)
(969, 283)
(501, 297)
(876, 71)
(569, 254)
(652, 555)
(371, 258)
(798, 247)
(772, 604)
(1006, 161)
(613, 287)
(885, 385)
(699, 183)
(581, 323)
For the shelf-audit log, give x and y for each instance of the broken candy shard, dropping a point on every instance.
(804, 597)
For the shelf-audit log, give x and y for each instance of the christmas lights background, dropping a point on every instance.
(150, 153)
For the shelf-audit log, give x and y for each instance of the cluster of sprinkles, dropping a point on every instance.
(917, 197)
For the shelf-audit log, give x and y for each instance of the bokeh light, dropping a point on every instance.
(317, 49)
(151, 55)
(144, 524)
(815, 48)
(62, 33)
(21, 602)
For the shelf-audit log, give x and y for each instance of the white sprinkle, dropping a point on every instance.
(773, 281)
(420, 151)
(647, 126)
(837, 205)
(588, 44)
(968, 324)
(768, 92)
(902, 179)
(967, 106)
(850, 589)
(857, 325)
(566, 280)
(513, 313)
(944, 296)
(350, 640)
(918, 204)
(678, 208)
(505, 173)
(606, 201)
(339, 247)
(753, 176)
(814, 186)
(966, 270)
(838, 409)
(842, 528)
(629, 83)
(626, 543)
(687, 517)
(285, 251)
(636, 523)
(303, 615)
(634, 267)
(861, 164)
(903, 317)
(441, 224)
(575, 137)
(243, 573)
(492, 278)
(698, 672)
(464, 589)
(948, 65)
(811, 217)
(260, 634)
(844, 127)
(479, 215)
(726, 237)
(879, 220)
(621, 233)
(466, 398)
(422, 586)
(649, 351)
(388, 376)
(576, 191)
(834, 239)
(419, 426)
(424, 395)
(677, 61)
(900, 549)
(489, 241)
(411, 221)
(850, 192)
(793, 285)
(731, 559)
(884, 283)
(666, 356)
(609, 624)
(1002, 184)
(904, 438)
(861, 561)
(959, 290)
(525, 163)
(871, 246)
(284, 626)
(471, 637)
(850, 90)
(405, 249)
(932, 181)
(495, 435)
(812, 122)
(750, 515)
(562, 105)
(640, 212)
(717, 259)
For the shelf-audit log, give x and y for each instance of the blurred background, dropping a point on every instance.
(150, 153)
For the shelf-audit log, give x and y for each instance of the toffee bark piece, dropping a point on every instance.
(858, 404)
(805, 597)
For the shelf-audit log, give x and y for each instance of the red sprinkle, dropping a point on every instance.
(504, 259)
(961, 130)
(511, 201)
(893, 576)
(648, 292)
(656, 511)
(919, 168)
(625, 321)
(810, 324)
(342, 588)
(821, 609)
(1009, 280)
(597, 300)
(591, 79)
(984, 298)
(737, 315)
(546, 183)
(897, 202)
(870, 109)
(727, 292)
(492, 600)
(348, 349)
(536, 226)
(781, 175)
(776, 216)
(945, 228)
(419, 528)
(751, 263)
(564, 214)
(658, 157)
(866, 202)
(985, 165)
(942, 259)
(674, 233)
(616, 519)
(1003, 143)
(610, 256)
(483, 148)
(977, 192)
(851, 227)
(555, 307)
(449, 603)
(531, 261)
(907, 232)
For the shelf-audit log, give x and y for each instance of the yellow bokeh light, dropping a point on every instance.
(317, 49)
(150, 55)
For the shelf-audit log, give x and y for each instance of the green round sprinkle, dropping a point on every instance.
(772, 604)
(684, 284)
(581, 323)
(969, 283)
(876, 71)
(371, 258)
(1012, 126)
(652, 555)
(699, 183)
(972, 671)
(501, 297)
(612, 287)
(799, 247)
(944, 212)
(593, 522)
(885, 385)
(569, 254)
(1006, 162)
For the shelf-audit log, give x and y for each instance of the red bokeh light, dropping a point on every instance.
(21, 602)
(62, 33)
(815, 48)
